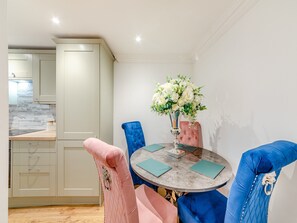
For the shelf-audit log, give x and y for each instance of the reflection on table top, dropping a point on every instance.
(180, 178)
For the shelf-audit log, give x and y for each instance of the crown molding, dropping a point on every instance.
(154, 58)
(223, 24)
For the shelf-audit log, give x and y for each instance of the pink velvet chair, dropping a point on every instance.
(190, 134)
(123, 204)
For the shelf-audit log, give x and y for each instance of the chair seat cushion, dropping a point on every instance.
(202, 207)
(152, 207)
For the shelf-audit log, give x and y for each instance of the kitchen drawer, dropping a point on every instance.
(34, 159)
(36, 181)
(33, 146)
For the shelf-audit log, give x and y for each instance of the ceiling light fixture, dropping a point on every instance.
(56, 20)
(138, 39)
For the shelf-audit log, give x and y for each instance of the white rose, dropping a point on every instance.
(155, 97)
(175, 107)
(188, 95)
(167, 88)
(181, 102)
(161, 100)
(158, 99)
(174, 97)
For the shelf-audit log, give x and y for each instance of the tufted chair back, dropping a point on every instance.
(250, 192)
(119, 196)
(123, 204)
(257, 172)
(134, 136)
(190, 134)
(135, 140)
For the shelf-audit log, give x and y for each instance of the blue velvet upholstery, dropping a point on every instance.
(247, 202)
(135, 140)
(212, 207)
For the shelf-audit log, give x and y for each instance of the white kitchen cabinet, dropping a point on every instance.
(20, 66)
(84, 108)
(33, 168)
(38, 65)
(33, 181)
(77, 91)
(34, 146)
(77, 174)
(84, 89)
(44, 78)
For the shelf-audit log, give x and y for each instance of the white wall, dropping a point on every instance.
(3, 115)
(250, 78)
(134, 85)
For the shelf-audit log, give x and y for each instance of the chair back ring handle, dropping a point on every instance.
(269, 180)
(268, 192)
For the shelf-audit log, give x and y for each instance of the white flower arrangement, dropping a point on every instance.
(178, 94)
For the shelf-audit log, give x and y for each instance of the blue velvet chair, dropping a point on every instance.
(250, 192)
(135, 140)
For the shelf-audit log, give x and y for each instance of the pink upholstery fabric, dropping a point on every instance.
(190, 134)
(121, 203)
(155, 205)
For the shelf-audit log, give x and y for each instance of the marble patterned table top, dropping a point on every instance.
(180, 178)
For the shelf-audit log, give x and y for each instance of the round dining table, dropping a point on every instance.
(180, 178)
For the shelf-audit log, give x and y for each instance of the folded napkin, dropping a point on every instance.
(153, 147)
(187, 147)
(208, 168)
(154, 167)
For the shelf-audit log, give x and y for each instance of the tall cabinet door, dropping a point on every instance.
(77, 91)
(77, 173)
(44, 78)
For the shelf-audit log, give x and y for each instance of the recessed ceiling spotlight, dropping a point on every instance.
(56, 20)
(138, 39)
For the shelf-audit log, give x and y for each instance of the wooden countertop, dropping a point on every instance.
(41, 135)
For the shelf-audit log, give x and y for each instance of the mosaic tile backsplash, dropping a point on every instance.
(25, 114)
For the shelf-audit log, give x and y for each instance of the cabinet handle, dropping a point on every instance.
(32, 152)
(30, 169)
(33, 149)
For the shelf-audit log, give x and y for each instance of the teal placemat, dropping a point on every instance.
(154, 167)
(187, 147)
(208, 168)
(153, 147)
